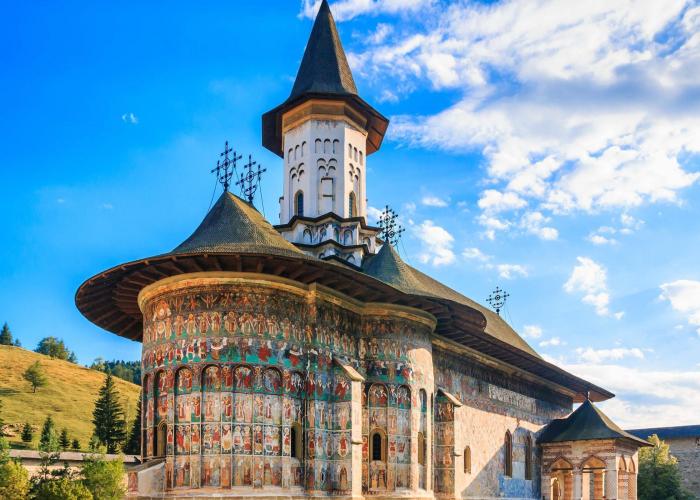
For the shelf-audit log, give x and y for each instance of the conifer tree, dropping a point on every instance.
(48, 441)
(75, 444)
(133, 447)
(27, 433)
(35, 375)
(2, 422)
(64, 441)
(6, 335)
(108, 417)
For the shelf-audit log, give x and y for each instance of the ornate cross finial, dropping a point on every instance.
(497, 299)
(250, 179)
(391, 230)
(226, 168)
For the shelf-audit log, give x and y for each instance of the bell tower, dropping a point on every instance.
(324, 132)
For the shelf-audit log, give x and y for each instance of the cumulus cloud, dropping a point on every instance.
(684, 296)
(473, 253)
(433, 201)
(590, 355)
(599, 111)
(436, 243)
(553, 342)
(591, 279)
(532, 331)
(373, 214)
(511, 271)
(347, 9)
(130, 118)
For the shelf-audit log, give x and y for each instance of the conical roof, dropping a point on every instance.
(324, 68)
(234, 226)
(388, 267)
(586, 423)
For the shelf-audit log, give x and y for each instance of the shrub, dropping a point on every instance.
(14, 481)
(104, 478)
(61, 489)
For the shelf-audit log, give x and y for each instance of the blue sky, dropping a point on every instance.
(551, 148)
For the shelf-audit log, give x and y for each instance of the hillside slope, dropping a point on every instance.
(69, 397)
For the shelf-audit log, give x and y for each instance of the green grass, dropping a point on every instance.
(69, 396)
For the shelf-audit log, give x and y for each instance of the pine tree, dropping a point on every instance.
(35, 375)
(64, 441)
(108, 417)
(133, 447)
(5, 335)
(75, 444)
(48, 441)
(27, 433)
(2, 422)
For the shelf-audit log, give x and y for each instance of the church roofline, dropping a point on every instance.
(328, 215)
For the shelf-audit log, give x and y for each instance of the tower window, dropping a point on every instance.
(295, 437)
(299, 204)
(352, 205)
(467, 460)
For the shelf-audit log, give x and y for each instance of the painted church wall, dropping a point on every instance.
(493, 404)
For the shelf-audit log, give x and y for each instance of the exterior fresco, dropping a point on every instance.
(232, 373)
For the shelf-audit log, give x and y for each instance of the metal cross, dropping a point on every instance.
(226, 168)
(497, 299)
(250, 179)
(391, 231)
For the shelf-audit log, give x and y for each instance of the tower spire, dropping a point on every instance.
(324, 68)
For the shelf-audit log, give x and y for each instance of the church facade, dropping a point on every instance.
(307, 360)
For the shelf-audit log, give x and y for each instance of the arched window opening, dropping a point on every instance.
(350, 151)
(297, 448)
(355, 155)
(347, 237)
(508, 455)
(361, 158)
(318, 148)
(289, 156)
(160, 438)
(528, 457)
(303, 149)
(336, 234)
(306, 236)
(297, 154)
(327, 146)
(299, 204)
(378, 445)
(467, 460)
(421, 449)
(352, 205)
(336, 146)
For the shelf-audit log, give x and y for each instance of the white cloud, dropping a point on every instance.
(684, 296)
(646, 396)
(492, 224)
(373, 214)
(599, 110)
(347, 9)
(474, 253)
(590, 355)
(511, 271)
(599, 239)
(433, 201)
(553, 342)
(591, 279)
(532, 331)
(436, 243)
(130, 118)
(107, 206)
(534, 223)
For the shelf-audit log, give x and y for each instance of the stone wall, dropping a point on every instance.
(687, 451)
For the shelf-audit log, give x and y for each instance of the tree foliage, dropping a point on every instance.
(55, 348)
(659, 477)
(108, 417)
(35, 375)
(104, 478)
(75, 444)
(133, 446)
(125, 370)
(2, 422)
(27, 433)
(48, 441)
(64, 440)
(63, 488)
(6, 335)
(14, 481)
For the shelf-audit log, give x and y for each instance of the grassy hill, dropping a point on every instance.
(69, 397)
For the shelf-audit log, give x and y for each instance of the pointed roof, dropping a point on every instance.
(586, 423)
(234, 226)
(388, 267)
(324, 73)
(324, 68)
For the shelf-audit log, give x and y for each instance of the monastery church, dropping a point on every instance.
(308, 360)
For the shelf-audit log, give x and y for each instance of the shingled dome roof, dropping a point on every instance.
(234, 226)
(388, 267)
(584, 424)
